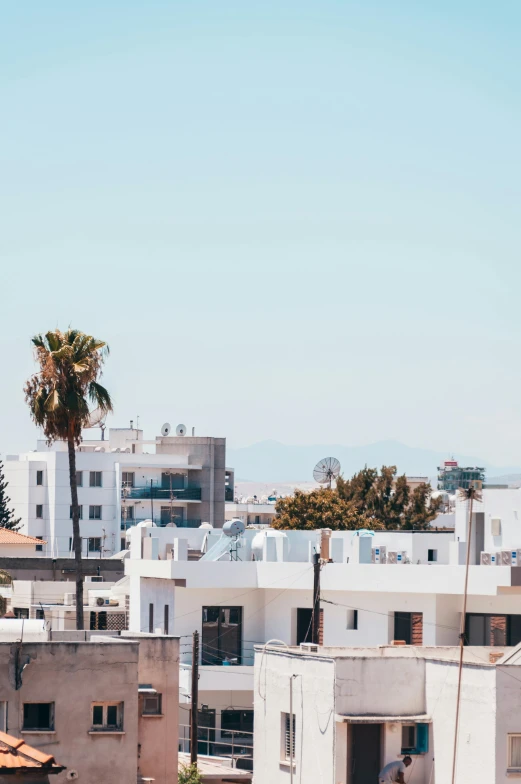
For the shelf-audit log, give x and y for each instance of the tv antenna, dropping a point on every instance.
(326, 471)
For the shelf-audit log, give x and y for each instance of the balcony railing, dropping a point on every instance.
(185, 523)
(162, 493)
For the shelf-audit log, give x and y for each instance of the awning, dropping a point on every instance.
(146, 688)
(419, 718)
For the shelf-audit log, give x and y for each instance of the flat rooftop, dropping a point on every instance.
(483, 655)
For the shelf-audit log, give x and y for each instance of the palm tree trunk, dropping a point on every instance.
(76, 533)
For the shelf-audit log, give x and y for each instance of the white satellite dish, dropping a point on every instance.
(165, 430)
(180, 430)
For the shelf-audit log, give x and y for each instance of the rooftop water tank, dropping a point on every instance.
(257, 543)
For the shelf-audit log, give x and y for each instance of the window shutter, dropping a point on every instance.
(417, 628)
(289, 752)
(422, 738)
(321, 628)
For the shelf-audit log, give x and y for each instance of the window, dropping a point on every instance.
(127, 513)
(39, 716)
(151, 618)
(3, 716)
(288, 751)
(432, 556)
(107, 717)
(123, 543)
(352, 620)
(222, 635)
(39, 547)
(21, 612)
(70, 543)
(483, 629)
(39, 477)
(166, 618)
(81, 512)
(236, 722)
(408, 627)
(98, 621)
(94, 512)
(514, 752)
(94, 544)
(39, 510)
(79, 478)
(152, 704)
(40, 614)
(127, 479)
(95, 479)
(415, 738)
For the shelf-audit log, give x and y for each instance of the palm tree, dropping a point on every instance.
(70, 365)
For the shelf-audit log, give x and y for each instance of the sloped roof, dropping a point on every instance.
(13, 537)
(16, 754)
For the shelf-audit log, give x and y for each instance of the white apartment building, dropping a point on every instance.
(354, 710)
(242, 594)
(179, 480)
(250, 513)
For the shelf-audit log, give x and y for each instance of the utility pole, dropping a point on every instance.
(195, 699)
(315, 617)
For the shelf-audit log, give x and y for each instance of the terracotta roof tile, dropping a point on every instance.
(15, 753)
(13, 537)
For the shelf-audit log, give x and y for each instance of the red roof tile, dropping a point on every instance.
(13, 537)
(15, 753)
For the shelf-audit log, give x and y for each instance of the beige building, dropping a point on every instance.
(107, 706)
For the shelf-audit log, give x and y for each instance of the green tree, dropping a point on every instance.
(7, 518)
(387, 497)
(322, 508)
(70, 363)
(190, 774)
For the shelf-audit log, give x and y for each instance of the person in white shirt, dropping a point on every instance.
(394, 772)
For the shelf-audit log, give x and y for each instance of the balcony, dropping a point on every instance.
(185, 523)
(161, 493)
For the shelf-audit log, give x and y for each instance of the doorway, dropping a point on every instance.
(367, 753)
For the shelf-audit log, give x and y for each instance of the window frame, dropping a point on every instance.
(285, 754)
(125, 482)
(94, 549)
(241, 732)
(39, 477)
(434, 558)
(92, 513)
(49, 728)
(159, 704)
(510, 738)
(39, 511)
(93, 478)
(3, 724)
(80, 507)
(38, 548)
(79, 478)
(105, 727)
(421, 739)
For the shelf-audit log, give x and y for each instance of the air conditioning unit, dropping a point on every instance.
(392, 557)
(379, 555)
(488, 559)
(401, 557)
(495, 526)
(309, 647)
(94, 578)
(508, 558)
(69, 598)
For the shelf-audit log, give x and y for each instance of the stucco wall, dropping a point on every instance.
(73, 676)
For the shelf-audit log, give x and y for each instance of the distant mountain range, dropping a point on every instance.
(271, 461)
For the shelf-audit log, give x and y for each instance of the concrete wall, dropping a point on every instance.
(380, 686)
(313, 707)
(73, 676)
(508, 712)
(61, 568)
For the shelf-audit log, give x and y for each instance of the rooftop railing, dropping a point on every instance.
(162, 493)
(184, 523)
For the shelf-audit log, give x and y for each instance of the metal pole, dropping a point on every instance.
(315, 617)
(462, 641)
(151, 500)
(291, 740)
(195, 699)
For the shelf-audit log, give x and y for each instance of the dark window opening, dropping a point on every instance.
(222, 635)
(151, 618)
(39, 477)
(166, 618)
(492, 630)
(39, 716)
(234, 722)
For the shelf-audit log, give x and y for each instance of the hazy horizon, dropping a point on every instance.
(289, 220)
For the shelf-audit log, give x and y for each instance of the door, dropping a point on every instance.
(367, 755)
(206, 731)
(304, 624)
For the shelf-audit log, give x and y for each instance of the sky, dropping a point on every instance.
(289, 220)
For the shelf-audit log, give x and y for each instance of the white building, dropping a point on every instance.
(250, 512)
(121, 480)
(237, 604)
(356, 709)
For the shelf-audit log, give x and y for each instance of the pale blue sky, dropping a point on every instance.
(290, 220)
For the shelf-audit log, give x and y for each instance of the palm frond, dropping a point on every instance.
(38, 341)
(53, 401)
(100, 396)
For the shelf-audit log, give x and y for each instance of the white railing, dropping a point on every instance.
(238, 744)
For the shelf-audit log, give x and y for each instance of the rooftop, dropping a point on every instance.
(15, 754)
(13, 537)
(477, 655)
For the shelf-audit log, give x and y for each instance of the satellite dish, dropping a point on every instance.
(97, 418)
(180, 430)
(326, 470)
(165, 430)
(233, 528)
